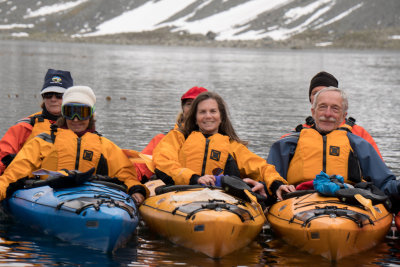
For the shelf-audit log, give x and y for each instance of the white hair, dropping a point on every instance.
(345, 102)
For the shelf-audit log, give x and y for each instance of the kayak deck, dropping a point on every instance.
(91, 215)
(215, 227)
(327, 227)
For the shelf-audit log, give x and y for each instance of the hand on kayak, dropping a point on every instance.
(284, 189)
(139, 198)
(257, 187)
(206, 180)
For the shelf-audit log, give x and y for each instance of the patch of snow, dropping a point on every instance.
(48, 10)
(339, 17)
(143, 18)
(285, 33)
(19, 34)
(13, 26)
(323, 44)
(230, 23)
(297, 12)
(227, 25)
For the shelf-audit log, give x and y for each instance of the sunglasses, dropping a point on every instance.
(81, 111)
(49, 95)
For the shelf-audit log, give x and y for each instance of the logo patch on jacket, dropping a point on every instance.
(215, 155)
(334, 150)
(87, 155)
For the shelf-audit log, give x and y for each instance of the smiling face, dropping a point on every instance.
(208, 116)
(53, 105)
(328, 112)
(77, 126)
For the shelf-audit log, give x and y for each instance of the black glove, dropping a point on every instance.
(235, 186)
(7, 159)
(74, 178)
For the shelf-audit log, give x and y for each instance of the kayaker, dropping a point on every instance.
(327, 147)
(186, 101)
(55, 84)
(207, 142)
(74, 133)
(320, 81)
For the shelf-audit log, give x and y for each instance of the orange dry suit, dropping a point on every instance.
(143, 172)
(183, 160)
(63, 149)
(20, 133)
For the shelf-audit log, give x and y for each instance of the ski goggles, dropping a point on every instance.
(81, 111)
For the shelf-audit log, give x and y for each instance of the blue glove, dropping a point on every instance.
(328, 185)
(218, 179)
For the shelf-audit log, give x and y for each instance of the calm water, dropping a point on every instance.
(266, 91)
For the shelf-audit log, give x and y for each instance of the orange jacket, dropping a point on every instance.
(69, 152)
(18, 134)
(143, 173)
(180, 158)
(361, 132)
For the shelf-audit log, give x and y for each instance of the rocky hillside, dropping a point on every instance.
(244, 23)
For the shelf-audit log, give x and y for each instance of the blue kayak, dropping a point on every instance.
(94, 215)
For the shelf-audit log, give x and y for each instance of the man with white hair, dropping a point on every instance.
(327, 147)
(320, 81)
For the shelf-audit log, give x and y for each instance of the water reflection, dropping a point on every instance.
(21, 244)
(155, 250)
(267, 95)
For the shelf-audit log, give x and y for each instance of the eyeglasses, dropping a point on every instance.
(49, 95)
(334, 108)
(81, 111)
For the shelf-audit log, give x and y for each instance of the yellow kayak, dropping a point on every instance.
(203, 219)
(328, 227)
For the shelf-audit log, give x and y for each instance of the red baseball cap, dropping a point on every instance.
(193, 92)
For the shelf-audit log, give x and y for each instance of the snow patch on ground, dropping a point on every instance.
(48, 10)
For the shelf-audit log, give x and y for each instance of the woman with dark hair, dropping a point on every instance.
(143, 172)
(207, 144)
(73, 144)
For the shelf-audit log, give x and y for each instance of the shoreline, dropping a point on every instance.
(368, 40)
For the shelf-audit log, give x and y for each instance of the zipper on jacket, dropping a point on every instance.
(203, 168)
(324, 155)
(78, 152)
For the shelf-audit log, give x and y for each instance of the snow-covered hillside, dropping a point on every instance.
(221, 20)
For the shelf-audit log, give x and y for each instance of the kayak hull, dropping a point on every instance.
(327, 227)
(215, 232)
(92, 215)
